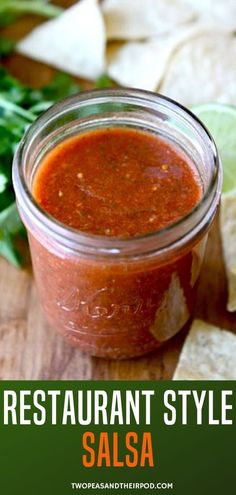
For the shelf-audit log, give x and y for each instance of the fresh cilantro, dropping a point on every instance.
(10, 227)
(6, 46)
(11, 9)
(3, 182)
(60, 87)
(103, 82)
(19, 107)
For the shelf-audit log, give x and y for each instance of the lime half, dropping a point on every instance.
(220, 120)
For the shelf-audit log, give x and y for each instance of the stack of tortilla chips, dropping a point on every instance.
(176, 47)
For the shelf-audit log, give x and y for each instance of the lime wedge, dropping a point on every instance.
(220, 120)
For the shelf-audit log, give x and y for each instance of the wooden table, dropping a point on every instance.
(29, 349)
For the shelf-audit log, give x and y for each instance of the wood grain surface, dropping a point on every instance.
(29, 349)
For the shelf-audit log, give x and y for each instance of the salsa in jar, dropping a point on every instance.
(119, 205)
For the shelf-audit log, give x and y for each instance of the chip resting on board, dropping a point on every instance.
(209, 353)
(74, 42)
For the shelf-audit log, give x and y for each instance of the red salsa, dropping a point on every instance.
(116, 182)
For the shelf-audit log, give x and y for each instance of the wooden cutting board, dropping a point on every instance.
(29, 349)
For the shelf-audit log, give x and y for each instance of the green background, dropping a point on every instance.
(198, 459)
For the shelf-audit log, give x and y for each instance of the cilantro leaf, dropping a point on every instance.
(10, 226)
(6, 46)
(19, 107)
(103, 82)
(60, 87)
(3, 182)
(11, 9)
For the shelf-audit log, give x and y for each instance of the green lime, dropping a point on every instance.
(220, 120)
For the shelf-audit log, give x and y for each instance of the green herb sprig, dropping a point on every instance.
(19, 107)
(11, 9)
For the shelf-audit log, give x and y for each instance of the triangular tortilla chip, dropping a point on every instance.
(139, 19)
(173, 312)
(228, 235)
(143, 64)
(209, 353)
(203, 70)
(74, 42)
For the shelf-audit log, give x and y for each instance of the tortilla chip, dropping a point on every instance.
(74, 42)
(209, 353)
(221, 12)
(132, 64)
(203, 70)
(173, 312)
(136, 19)
(228, 235)
(143, 64)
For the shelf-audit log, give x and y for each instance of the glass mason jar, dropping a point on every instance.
(111, 297)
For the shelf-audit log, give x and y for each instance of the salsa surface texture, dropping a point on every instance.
(116, 182)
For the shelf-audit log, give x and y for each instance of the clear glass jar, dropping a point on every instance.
(111, 297)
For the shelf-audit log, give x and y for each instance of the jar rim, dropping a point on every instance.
(73, 240)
